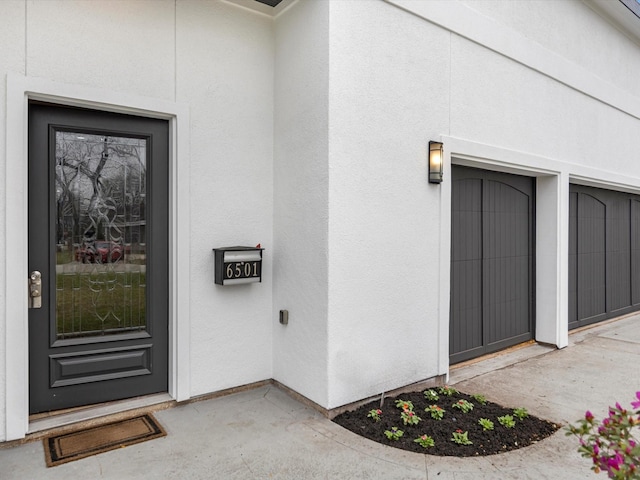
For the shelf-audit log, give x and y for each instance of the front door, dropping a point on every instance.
(98, 234)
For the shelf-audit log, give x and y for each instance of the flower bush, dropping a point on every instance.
(437, 413)
(409, 417)
(431, 395)
(461, 438)
(405, 405)
(375, 414)
(463, 405)
(425, 441)
(394, 434)
(447, 390)
(613, 444)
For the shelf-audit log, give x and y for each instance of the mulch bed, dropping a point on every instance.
(485, 442)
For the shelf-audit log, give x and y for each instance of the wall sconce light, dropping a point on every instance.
(435, 162)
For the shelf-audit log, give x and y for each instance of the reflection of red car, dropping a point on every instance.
(99, 252)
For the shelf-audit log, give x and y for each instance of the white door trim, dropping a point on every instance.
(20, 90)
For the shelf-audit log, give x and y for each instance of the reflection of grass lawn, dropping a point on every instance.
(100, 300)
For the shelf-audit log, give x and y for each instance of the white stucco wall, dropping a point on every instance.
(225, 73)
(573, 31)
(389, 84)
(301, 189)
(11, 58)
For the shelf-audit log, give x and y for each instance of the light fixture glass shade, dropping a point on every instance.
(435, 162)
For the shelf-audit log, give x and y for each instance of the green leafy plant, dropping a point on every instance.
(507, 421)
(520, 413)
(431, 395)
(375, 414)
(613, 444)
(481, 399)
(409, 417)
(447, 390)
(463, 405)
(486, 424)
(405, 405)
(394, 434)
(436, 412)
(425, 441)
(461, 438)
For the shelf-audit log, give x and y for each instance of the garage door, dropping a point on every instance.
(604, 254)
(492, 274)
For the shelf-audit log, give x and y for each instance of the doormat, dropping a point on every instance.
(71, 446)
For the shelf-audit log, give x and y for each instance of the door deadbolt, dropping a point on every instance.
(35, 289)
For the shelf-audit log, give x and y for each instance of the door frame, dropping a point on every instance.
(551, 243)
(19, 91)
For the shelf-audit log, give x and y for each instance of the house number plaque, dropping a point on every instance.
(236, 265)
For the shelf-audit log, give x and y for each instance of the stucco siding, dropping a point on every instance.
(12, 27)
(301, 198)
(389, 85)
(225, 73)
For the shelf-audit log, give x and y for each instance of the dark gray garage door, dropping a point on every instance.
(604, 254)
(492, 274)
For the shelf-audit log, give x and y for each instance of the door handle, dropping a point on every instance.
(35, 289)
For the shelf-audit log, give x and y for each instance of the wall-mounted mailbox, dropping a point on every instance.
(235, 265)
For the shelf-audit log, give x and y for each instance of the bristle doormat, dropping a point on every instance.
(71, 446)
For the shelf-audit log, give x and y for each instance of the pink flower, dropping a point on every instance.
(615, 462)
(588, 416)
(636, 404)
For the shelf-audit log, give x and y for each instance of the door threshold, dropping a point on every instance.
(61, 418)
(495, 361)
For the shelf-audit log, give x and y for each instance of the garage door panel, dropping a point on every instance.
(492, 221)
(466, 267)
(604, 256)
(635, 253)
(591, 257)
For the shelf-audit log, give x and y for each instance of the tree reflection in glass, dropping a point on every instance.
(100, 188)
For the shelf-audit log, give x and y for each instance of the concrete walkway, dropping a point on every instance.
(265, 434)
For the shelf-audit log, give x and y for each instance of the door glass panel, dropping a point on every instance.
(100, 187)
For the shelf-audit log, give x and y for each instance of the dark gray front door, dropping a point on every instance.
(491, 262)
(98, 233)
(604, 254)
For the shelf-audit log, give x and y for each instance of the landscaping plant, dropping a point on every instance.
(375, 414)
(463, 405)
(486, 424)
(394, 433)
(431, 395)
(507, 421)
(436, 412)
(481, 399)
(613, 444)
(409, 417)
(447, 390)
(461, 438)
(520, 413)
(425, 441)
